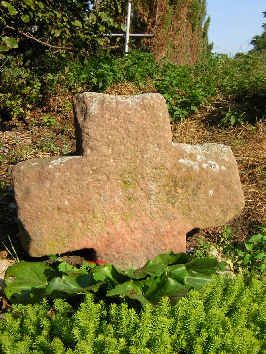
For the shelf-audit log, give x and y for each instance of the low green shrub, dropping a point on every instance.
(220, 318)
(26, 85)
(248, 258)
(185, 88)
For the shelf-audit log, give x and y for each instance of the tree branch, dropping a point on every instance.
(38, 40)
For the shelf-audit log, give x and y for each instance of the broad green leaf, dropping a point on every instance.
(260, 255)
(151, 282)
(155, 269)
(223, 266)
(71, 283)
(57, 33)
(246, 259)
(167, 287)
(100, 273)
(3, 48)
(10, 42)
(10, 8)
(95, 288)
(28, 2)
(178, 272)
(200, 271)
(92, 18)
(205, 265)
(123, 27)
(125, 288)
(169, 258)
(77, 24)
(53, 257)
(249, 246)
(255, 238)
(142, 299)
(196, 280)
(23, 277)
(64, 284)
(64, 267)
(26, 18)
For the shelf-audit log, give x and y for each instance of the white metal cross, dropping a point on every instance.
(128, 34)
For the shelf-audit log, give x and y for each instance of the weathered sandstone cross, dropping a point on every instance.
(130, 194)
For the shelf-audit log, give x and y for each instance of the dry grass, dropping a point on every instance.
(128, 88)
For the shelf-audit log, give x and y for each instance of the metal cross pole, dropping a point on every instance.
(128, 34)
(128, 25)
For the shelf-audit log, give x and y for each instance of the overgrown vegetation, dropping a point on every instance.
(185, 88)
(248, 258)
(221, 317)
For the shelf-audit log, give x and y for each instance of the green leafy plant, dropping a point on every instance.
(48, 120)
(47, 144)
(255, 256)
(233, 118)
(168, 274)
(31, 24)
(203, 250)
(248, 258)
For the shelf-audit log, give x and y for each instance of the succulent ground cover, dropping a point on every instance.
(221, 317)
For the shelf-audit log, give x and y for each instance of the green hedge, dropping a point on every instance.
(223, 317)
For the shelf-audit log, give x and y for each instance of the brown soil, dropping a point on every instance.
(50, 131)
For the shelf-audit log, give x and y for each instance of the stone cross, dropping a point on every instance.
(130, 193)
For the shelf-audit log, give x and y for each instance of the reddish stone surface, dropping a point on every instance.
(131, 194)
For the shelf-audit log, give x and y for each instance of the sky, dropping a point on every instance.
(234, 23)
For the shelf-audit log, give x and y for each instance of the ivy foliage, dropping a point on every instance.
(168, 274)
(219, 318)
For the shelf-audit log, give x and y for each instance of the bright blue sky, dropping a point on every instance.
(234, 23)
